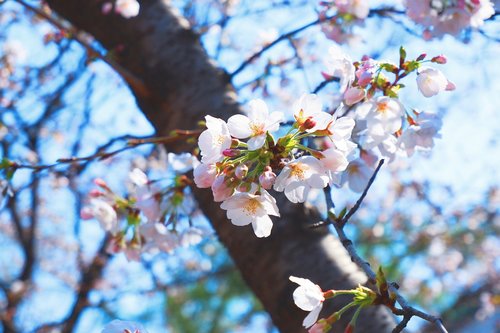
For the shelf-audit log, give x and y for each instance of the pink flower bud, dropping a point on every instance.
(308, 124)
(204, 175)
(100, 182)
(86, 213)
(267, 178)
(353, 95)
(241, 171)
(95, 193)
(231, 152)
(106, 8)
(440, 59)
(220, 189)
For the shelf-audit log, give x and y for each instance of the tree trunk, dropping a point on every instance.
(180, 87)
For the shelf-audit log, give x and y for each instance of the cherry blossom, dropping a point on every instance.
(158, 238)
(127, 8)
(204, 175)
(121, 326)
(244, 208)
(299, 176)
(449, 17)
(383, 115)
(308, 113)
(214, 140)
(309, 297)
(340, 66)
(103, 212)
(358, 8)
(431, 81)
(192, 236)
(255, 125)
(420, 136)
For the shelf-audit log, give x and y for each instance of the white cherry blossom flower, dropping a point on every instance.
(358, 8)
(420, 136)
(383, 116)
(138, 177)
(158, 238)
(308, 111)
(181, 163)
(431, 81)
(103, 212)
(147, 195)
(127, 8)
(214, 140)
(334, 161)
(339, 131)
(204, 175)
(255, 125)
(340, 66)
(299, 176)
(121, 326)
(192, 236)
(244, 208)
(309, 297)
(357, 175)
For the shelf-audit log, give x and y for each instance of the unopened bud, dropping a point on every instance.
(95, 193)
(440, 59)
(101, 183)
(421, 57)
(241, 171)
(231, 153)
(267, 178)
(308, 124)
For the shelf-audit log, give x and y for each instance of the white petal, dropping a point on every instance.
(262, 226)
(312, 317)
(239, 126)
(256, 142)
(296, 192)
(258, 110)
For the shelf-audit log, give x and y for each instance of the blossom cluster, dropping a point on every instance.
(347, 14)
(441, 17)
(319, 148)
(241, 173)
(146, 220)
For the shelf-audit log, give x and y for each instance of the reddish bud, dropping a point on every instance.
(95, 193)
(308, 124)
(100, 182)
(349, 329)
(440, 59)
(231, 152)
(421, 57)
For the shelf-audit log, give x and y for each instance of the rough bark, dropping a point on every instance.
(182, 85)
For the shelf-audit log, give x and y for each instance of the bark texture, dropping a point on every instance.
(182, 85)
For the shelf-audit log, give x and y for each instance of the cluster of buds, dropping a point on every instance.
(240, 173)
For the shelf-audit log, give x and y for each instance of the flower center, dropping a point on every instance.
(298, 170)
(219, 140)
(382, 107)
(251, 206)
(257, 129)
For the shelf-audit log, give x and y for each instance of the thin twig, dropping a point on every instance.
(358, 203)
(133, 80)
(406, 310)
